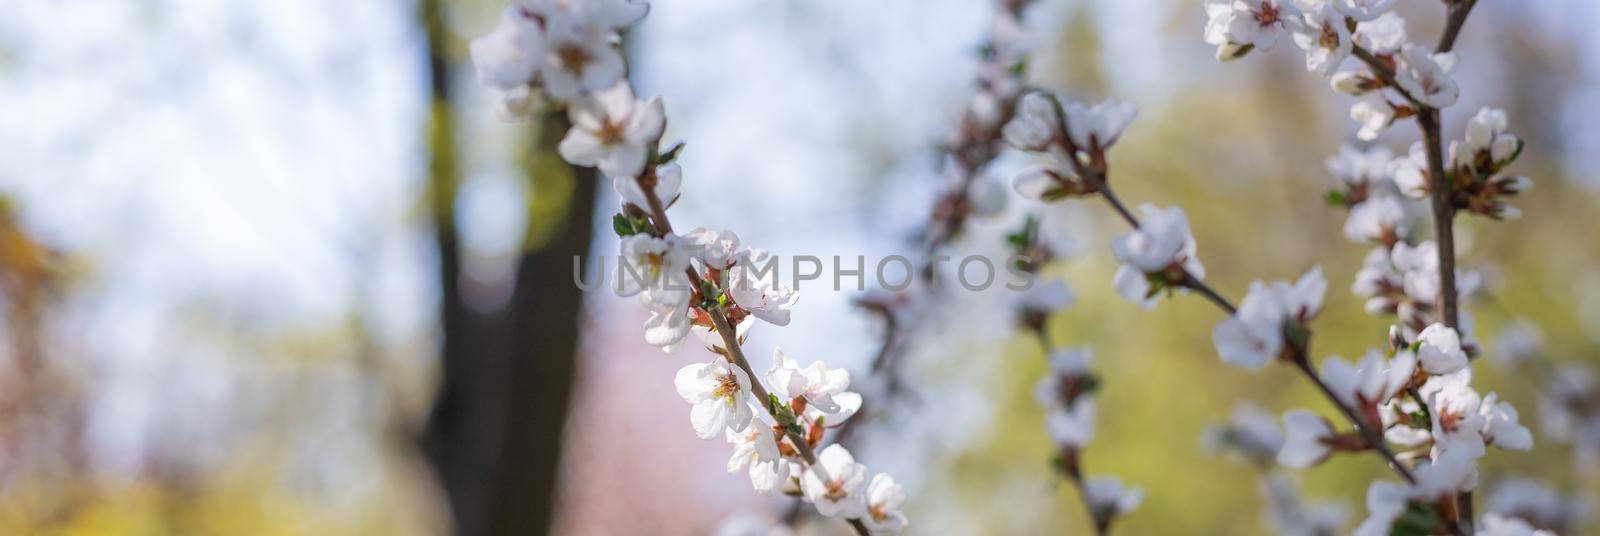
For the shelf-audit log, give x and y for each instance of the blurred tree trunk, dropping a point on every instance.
(494, 433)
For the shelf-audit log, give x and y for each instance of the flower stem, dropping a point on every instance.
(1373, 436)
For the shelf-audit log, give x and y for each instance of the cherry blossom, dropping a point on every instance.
(720, 393)
(1306, 439)
(1238, 26)
(1161, 242)
(1426, 76)
(835, 484)
(1369, 383)
(822, 388)
(612, 131)
(760, 296)
(1486, 141)
(1501, 427)
(1254, 335)
(1375, 114)
(1096, 128)
(1360, 174)
(1498, 525)
(1385, 502)
(666, 181)
(1440, 350)
(1363, 10)
(1325, 39)
(1109, 498)
(1072, 426)
(757, 447)
(655, 267)
(1034, 124)
(1517, 343)
(1383, 35)
(509, 57)
(884, 497)
(583, 57)
(1251, 432)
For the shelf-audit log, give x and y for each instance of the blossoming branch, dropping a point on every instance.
(552, 53)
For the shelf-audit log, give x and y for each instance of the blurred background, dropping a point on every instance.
(277, 267)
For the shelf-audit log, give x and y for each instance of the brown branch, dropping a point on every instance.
(1455, 17)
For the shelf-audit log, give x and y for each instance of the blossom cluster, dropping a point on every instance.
(705, 281)
(1417, 394)
(1068, 391)
(1159, 253)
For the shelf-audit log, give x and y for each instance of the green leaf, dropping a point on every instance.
(622, 225)
(1418, 520)
(671, 154)
(1335, 198)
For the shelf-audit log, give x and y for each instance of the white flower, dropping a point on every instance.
(1238, 26)
(1371, 382)
(1377, 275)
(1426, 76)
(1366, 171)
(1047, 182)
(756, 443)
(1047, 297)
(656, 266)
(717, 250)
(612, 131)
(1363, 10)
(1380, 219)
(757, 447)
(1325, 38)
(1108, 497)
(1411, 173)
(1455, 409)
(1486, 135)
(822, 388)
(769, 477)
(1072, 426)
(1305, 442)
(720, 393)
(1162, 239)
(1289, 516)
(582, 57)
(884, 497)
(987, 196)
(1375, 114)
(1402, 433)
(1538, 503)
(1419, 266)
(835, 483)
(1385, 502)
(1034, 124)
(668, 328)
(1440, 352)
(1500, 426)
(1070, 420)
(667, 179)
(1453, 469)
(1255, 334)
(1519, 342)
(1250, 431)
(1095, 128)
(508, 57)
(761, 296)
(1497, 525)
(1383, 35)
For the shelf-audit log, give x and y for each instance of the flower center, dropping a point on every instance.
(610, 133)
(727, 386)
(877, 512)
(573, 58)
(1330, 37)
(1449, 419)
(1268, 14)
(835, 491)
